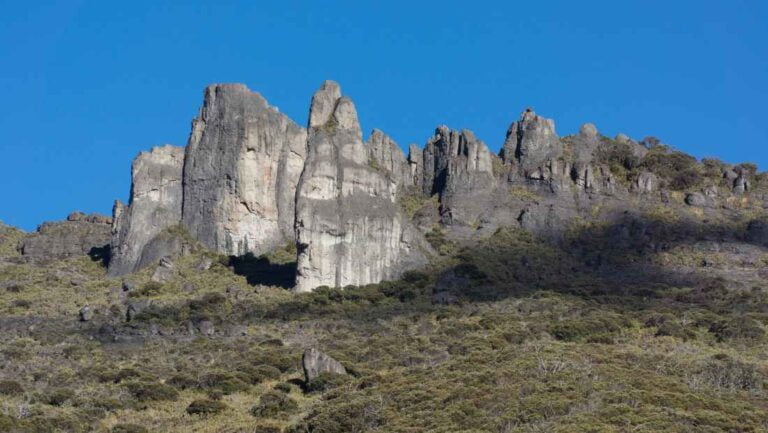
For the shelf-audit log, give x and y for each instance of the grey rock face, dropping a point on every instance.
(741, 183)
(314, 363)
(458, 167)
(79, 235)
(155, 205)
(646, 182)
(349, 229)
(531, 141)
(242, 165)
(416, 165)
(386, 155)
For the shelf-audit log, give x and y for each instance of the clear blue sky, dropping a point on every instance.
(86, 85)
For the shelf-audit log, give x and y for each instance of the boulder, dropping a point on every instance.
(154, 207)
(314, 363)
(135, 307)
(241, 169)
(695, 199)
(349, 229)
(85, 314)
(206, 328)
(164, 271)
(646, 182)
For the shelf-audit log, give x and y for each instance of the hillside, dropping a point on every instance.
(569, 284)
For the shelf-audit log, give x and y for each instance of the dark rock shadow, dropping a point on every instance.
(261, 271)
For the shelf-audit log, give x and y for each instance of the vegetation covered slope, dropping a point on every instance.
(514, 334)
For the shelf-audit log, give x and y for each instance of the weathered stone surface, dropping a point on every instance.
(314, 363)
(458, 167)
(531, 142)
(386, 155)
(416, 165)
(741, 183)
(349, 229)
(646, 182)
(164, 271)
(243, 163)
(85, 314)
(79, 235)
(695, 199)
(155, 205)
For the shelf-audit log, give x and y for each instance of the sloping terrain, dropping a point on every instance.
(512, 334)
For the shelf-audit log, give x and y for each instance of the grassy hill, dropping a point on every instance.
(514, 334)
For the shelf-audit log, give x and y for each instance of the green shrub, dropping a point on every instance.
(723, 373)
(151, 288)
(227, 383)
(205, 407)
(326, 381)
(273, 403)
(283, 387)
(679, 170)
(119, 375)
(10, 387)
(183, 381)
(148, 391)
(594, 327)
(58, 397)
(739, 328)
(128, 428)
(267, 429)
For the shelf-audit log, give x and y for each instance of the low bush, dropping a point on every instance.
(283, 387)
(205, 407)
(151, 288)
(326, 381)
(272, 404)
(10, 387)
(128, 428)
(738, 328)
(225, 382)
(58, 397)
(148, 391)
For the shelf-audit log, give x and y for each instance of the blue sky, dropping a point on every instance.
(86, 85)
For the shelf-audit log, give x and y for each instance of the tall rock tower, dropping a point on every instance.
(242, 165)
(349, 230)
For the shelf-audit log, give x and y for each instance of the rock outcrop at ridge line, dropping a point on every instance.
(531, 142)
(349, 229)
(80, 234)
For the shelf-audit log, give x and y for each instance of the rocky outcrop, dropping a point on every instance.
(458, 167)
(531, 142)
(349, 229)
(646, 182)
(314, 363)
(385, 155)
(242, 165)
(79, 235)
(154, 206)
